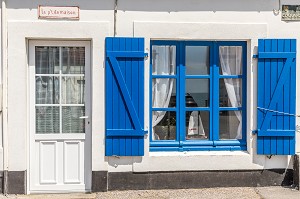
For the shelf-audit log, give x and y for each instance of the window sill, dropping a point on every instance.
(197, 153)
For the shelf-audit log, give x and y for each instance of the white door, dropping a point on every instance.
(60, 137)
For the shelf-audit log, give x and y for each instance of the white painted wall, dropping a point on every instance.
(152, 19)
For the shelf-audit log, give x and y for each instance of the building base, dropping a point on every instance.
(296, 176)
(200, 179)
(107, 181)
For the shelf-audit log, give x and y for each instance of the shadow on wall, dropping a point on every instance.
(115, 161)
(83, 4)
(156, 5)
(197, 5)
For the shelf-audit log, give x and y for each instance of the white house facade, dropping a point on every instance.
(140, 94)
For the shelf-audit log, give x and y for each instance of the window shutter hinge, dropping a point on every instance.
(254, 132)
(255, 56)
(146, 56)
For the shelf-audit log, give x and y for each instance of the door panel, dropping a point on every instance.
(72, 162)
(60, 149)
(48, 162)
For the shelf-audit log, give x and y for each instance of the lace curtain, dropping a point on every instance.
(231, 64)
(163, 63)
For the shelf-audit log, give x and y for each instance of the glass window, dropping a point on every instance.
(197, 60)
(197, 92)
(59, 89)
(202, 105)
(163, 60)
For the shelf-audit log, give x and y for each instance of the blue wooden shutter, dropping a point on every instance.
(124, 96)
(276, 96)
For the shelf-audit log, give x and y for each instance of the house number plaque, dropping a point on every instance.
(290, 13)
(58, 12)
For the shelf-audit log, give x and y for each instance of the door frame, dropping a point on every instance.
(31, 104)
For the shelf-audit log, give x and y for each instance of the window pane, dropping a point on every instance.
(46, 90)
(73, 90)
(230, 125)
(47, 119)
(71, 121)
(46, 60)
(163, 92)
(231, 60)
(230, 92)
(197, 92)
(163, 60)
(73, 60)
(163, 125)
(197, 125)
(197, 60)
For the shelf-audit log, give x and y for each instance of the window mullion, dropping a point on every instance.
(60, 90)
(215, 94)
(181, 96)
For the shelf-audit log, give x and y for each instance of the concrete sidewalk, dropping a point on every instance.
(275, 192)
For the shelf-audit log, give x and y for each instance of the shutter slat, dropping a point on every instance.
(260, 98)
(267, 139)
(109, 86)
(276, 91)
(124, 106)
(274, 80)
(293, 100)
(280, 118)
(123, 114)
(286, 142)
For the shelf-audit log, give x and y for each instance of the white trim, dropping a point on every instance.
(64, 75)
(198, 31)
(69, 136)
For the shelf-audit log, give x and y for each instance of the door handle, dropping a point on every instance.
(84, 117)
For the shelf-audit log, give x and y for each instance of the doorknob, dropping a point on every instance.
(84, 117)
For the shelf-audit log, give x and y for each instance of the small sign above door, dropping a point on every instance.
(58, 12)
(290, 13)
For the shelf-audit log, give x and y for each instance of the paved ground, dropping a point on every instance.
(208, 193)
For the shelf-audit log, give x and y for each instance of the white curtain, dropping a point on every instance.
(47, 91)
(231, 64)
(73, 89)
(163, 63)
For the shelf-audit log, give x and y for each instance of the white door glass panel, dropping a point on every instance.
(73, 90)
(73, 60)
(47, 119)
(47, 60)
(71, 121)
(60, 152)
(46, 90)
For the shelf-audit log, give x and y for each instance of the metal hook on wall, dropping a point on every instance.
(277, 11)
